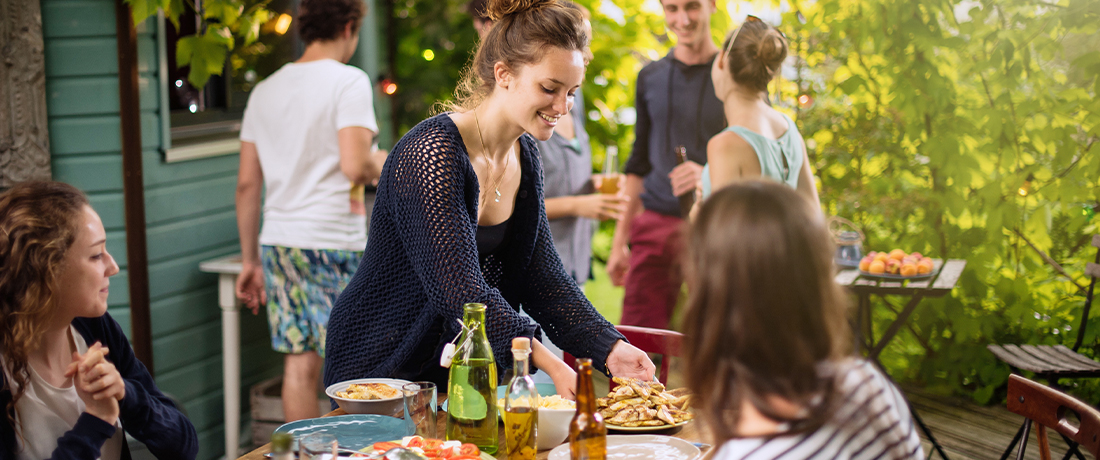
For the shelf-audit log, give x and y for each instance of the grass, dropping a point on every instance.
(607, 299)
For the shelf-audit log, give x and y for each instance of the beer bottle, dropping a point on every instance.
(687, 200)
(587, 433)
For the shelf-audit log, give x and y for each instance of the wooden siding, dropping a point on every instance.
(189, 211)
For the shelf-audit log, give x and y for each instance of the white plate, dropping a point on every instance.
(639, 447)
(644, 429)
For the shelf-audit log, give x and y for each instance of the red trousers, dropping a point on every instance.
(654, 279)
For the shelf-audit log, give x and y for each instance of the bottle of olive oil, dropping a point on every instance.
(471, 390)
(521, 404)
(587, 432)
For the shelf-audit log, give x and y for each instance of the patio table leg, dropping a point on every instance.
(895, 326)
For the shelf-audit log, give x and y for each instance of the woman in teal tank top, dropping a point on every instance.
(760, 141)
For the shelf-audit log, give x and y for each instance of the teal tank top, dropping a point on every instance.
(780, 159)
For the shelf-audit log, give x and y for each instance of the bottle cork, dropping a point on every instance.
(521, 343)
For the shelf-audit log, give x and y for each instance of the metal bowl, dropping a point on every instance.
(393, 407)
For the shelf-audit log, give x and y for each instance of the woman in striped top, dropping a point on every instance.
(767, 349)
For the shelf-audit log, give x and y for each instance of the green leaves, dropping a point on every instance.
(225, 21)
(952, 137)
(204, 53)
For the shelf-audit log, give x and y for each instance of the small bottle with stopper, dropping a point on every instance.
(521, 406)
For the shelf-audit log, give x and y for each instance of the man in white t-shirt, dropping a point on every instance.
(307, 135)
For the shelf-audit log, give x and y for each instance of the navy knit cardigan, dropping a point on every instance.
(146, 414)
(421, 265)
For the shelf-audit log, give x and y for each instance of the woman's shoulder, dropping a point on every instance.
(435, 138)
(730, 144)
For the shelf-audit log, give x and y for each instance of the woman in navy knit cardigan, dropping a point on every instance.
(70, 383)
(459, 218)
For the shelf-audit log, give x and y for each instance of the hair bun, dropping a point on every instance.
(498, 9)
(772, 48)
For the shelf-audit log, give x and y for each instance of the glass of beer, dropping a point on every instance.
(608, 182)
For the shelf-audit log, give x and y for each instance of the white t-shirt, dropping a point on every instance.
(45, 413)
(872, 421)
(293, 117)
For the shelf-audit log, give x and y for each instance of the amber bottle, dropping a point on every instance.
(587, 432)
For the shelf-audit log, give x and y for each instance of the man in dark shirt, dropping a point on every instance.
(676, 106)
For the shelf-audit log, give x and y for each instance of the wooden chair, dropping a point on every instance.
(1047, 408)
(1051, 362)
(657, 341)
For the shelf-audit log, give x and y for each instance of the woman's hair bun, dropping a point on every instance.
(498, 9)
(771, 50)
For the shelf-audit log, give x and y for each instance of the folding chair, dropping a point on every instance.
(1051, 362)
(1047, 408)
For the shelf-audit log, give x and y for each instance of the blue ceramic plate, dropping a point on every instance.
(544, 389)
(351, 431)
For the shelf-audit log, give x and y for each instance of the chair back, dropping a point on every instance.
(656, 341)
(1092, 270)
(1048, 407)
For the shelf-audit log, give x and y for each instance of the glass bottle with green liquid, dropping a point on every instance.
(471, 390)
(521, 404)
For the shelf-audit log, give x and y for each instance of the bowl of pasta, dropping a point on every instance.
(369, 396)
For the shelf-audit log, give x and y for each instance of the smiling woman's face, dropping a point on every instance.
(83, 287)
(540, 93)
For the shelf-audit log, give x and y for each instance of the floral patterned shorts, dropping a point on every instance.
(301, 286)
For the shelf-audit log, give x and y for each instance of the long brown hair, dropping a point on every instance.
(522, 29)
(763, 312)
(39, 222)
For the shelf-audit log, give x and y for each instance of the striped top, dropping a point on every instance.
(872, 421)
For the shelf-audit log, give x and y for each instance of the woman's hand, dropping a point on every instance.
(97, 383)
(626, 360)
(250, 286)
(564, 377)
(600, 206)
(565, 381)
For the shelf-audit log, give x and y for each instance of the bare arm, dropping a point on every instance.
(357, 160)
(564, 377)
(806, 185)
(250, 184)
(594, 206)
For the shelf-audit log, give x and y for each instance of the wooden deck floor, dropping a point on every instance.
(968, 431)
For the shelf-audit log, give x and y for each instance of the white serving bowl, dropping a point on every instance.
(553, 427)
(393, 407)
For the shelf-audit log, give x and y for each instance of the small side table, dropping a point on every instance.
(227, 268)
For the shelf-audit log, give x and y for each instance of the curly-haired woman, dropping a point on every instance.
(70, 382)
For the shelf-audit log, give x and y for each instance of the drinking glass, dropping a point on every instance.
(315, 446)
(608, 182)
(420, 408)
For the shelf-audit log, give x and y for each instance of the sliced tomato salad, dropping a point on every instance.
(429, 448)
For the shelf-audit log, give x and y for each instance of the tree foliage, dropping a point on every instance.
(226, 23)
(962, 129)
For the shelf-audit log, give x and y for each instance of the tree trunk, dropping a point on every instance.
(24, 139)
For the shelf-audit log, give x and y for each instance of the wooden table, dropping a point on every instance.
(689, 432)
(937, 286)
(228, 268)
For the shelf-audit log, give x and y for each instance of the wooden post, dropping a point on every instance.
(24, 139)
(133, 187)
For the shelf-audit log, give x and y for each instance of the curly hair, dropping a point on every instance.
(760, 261)
(324, 20)
(522, 29)
(39, 221)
